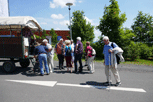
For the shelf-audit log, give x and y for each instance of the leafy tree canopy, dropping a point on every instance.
(143, 28)
(112, 21)
(82, 28)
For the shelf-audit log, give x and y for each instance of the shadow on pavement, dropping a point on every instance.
(96, 84)
(17, 71)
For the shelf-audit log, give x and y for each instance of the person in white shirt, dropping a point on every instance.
(49, 55)
(72, 46)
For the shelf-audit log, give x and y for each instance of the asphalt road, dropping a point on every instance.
(20, 86)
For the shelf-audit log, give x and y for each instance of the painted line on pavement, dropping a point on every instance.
(42, 83)
(53, 83)
(103, 87)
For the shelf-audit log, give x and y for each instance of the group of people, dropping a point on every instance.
(72, 54)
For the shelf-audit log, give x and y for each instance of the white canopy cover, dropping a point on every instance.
(15, 23)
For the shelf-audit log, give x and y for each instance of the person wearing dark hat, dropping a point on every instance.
(40, 50)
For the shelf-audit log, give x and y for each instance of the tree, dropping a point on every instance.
(82, 28)
(44, 34)
(54, 36)
(143, 28)
(111, 22)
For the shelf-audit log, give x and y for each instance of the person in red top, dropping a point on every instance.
(90, 57)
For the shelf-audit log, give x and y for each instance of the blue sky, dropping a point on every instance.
(55, 14)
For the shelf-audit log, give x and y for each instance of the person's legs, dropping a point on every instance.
(49, 63)
(60, 60)
(67, 63)
(41, 64)
(107, 73)
(45, 63)
(52, 64)
(80, 62)
(88, 63)
(116, 74)
(92, 64)
(75, 62)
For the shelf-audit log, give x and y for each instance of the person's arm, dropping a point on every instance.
(56, 49)
(114, 45)
(104, 56)
(104, 60)
(49, 48)
(34, 37)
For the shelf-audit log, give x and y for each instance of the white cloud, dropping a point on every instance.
(60, 3)
(64, 23)
(97, 34)
(59, 16)
(89, 20)
(80, 1)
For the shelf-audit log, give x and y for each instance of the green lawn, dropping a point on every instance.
(137, 62)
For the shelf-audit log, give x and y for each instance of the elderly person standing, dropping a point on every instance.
(49, 55)
(107, 50)
(59, 49)
(78, 54)
(90, 57)
(40, 50)
(68, 54)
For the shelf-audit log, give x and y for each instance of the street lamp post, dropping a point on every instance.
(70, 4)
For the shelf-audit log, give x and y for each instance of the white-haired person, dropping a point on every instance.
(107, 50)
(49, 55)
(90, 57)
(68, 55)
(78, 55)
(59, 49)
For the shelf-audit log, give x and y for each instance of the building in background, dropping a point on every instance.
(62, 33)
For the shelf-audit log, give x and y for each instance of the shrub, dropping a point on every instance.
(98, 46)
(132, 51)
(145, 51)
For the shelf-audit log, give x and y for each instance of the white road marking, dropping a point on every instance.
(42, 83)
(74, 85)
(103, 87)
(52, 83)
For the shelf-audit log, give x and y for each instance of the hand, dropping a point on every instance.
(110, 51)
(104, 63)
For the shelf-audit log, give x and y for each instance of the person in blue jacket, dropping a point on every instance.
(40, 50)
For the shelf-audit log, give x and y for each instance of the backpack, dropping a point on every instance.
(117, 57)
(93, 52)
(68, 52)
